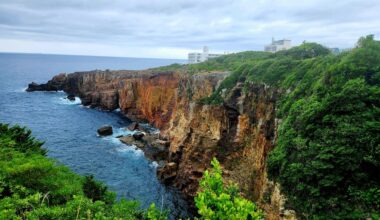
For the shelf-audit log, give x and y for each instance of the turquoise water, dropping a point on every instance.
(69, 129)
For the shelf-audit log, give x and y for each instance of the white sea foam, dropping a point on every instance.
(130, 149)
(21, 89)
(154, 164)
(65, 101)
(122, 131)
(113, 139)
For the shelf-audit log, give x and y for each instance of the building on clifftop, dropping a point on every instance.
(278, 45)
(200, 57)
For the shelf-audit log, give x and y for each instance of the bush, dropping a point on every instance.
(215, 201)
(93, 189)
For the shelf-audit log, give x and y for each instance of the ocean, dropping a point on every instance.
(69, 129)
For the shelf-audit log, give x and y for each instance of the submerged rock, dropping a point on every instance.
(105, 130)
(71, 97)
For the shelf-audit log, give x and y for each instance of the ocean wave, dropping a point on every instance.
(21, 89)
(65, 101)
(153, 165)
(122, 131)
(131, 150)
(116, 133)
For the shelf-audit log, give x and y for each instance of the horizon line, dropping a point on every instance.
(85, 55)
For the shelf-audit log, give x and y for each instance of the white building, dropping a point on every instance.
(278, 45)
(200, 57)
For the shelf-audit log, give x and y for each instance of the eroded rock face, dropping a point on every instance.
(240, 133)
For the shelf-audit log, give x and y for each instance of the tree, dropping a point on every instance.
(93, 189)
(215, 201)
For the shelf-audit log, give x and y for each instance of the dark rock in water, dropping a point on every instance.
(129, 140)
(167, 173)
(119, 136)
(133, 126)
(138, 135)
(105, 130)
(154, 149)
(71, 97)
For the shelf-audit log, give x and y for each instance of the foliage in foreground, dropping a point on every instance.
(216, 201)
(35, 187)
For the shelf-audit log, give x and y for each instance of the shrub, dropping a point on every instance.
(215, 201)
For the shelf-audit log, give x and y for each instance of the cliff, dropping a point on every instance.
(240, 132)
(328, 105)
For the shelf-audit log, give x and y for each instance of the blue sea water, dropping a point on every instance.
(69, 129)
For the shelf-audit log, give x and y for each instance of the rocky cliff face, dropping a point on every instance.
(240, 133)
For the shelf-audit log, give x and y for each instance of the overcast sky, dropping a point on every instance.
(172, 28)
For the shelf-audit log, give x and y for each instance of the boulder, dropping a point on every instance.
(71, 97)
(138, 135)
(133, 126)
(105, 130)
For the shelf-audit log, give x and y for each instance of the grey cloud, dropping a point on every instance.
(223, 24)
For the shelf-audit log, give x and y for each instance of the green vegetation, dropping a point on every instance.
(35, 187)
(215, 201)
(327, 157)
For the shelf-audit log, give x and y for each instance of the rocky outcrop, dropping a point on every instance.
(240, 132)
(154, 148)
(55, 84)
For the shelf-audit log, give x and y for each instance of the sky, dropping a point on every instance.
(172, 28)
